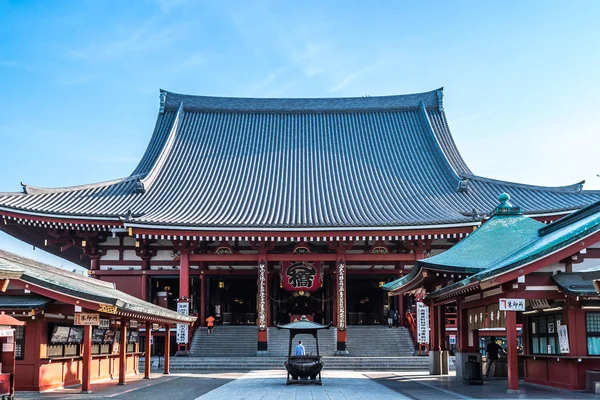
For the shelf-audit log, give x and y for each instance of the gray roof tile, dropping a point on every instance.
(371, 162)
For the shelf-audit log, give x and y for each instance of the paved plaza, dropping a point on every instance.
(269, 385)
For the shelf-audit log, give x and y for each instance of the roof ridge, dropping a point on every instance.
(147, 181)
(573, 188)
(431, 131)
(570, 219)
(170, 100)
(29, 189)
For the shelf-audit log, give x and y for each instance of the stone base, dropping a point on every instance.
(263, 353)
(435, 363)
(341, 353)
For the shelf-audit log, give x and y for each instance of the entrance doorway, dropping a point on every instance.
(366, 302)
(232, 300)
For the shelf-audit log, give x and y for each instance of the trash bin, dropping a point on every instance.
(472, 372)
(591, 377)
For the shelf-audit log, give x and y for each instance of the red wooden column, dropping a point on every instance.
(87, 360)
(401, 310)
(184, 274)
(341, 304)
(167, 370)
(202, 301)
(261, 305)
(511, 347)
(122, 352)
(147, 356)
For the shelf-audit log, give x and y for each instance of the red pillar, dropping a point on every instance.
(401, 310)
(122, 352)
(184, 275)
(147, 360)
(87, 360)
(442, 328)
(202, 299)
(167, 370)
(511, 347)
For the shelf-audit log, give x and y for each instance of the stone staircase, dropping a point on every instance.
(225, 342)
(278, 342)
(379, 341)
(363, 341)
(265, 363)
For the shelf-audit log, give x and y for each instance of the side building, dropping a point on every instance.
(257, 211)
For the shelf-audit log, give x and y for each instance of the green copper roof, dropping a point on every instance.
(398, 283)
(545, 241)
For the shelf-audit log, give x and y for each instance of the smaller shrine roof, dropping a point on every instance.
(547, 240)
(577, 283)
(76, 286)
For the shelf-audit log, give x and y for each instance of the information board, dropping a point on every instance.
(422, 323)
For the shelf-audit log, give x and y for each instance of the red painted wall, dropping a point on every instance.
(129, 284)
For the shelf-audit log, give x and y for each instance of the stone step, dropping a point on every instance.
(343, 363)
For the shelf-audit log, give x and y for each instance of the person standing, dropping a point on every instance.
(390, 317)
(300, 351)
(492, 350)
(210, 324)
(395, 317)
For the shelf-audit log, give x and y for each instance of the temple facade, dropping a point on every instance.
(258, 211)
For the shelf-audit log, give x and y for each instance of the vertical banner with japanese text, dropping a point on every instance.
(341, 292)
(422, 323)
(183, 307)
(262, 296)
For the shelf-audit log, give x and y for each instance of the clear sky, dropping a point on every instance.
(79, 79)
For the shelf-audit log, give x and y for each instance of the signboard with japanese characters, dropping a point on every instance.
(563, 339)
(422, 323)
(301, 276)
(183, 307)
(104, 323)
(512, 304)
(87, 319)
(133, 324)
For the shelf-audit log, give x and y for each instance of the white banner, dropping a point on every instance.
(182, 329)
(563, 339)
(422, 323)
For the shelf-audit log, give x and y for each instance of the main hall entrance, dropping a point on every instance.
(367, 304)
(232, 299)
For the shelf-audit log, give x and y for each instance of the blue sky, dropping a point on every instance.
(80, 79)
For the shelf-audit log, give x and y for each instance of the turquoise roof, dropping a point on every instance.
(548, 239)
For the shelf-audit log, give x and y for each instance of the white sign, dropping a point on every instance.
(6, 332)
(182, 329)
(104, 323)
(262, 296)
(512, 304)
(133, 324)
(452, 339)
(422, 323)
(563, 339)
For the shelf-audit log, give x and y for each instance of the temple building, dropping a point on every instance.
(537, 284)
(258, 211)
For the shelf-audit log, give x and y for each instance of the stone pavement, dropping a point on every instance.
(269, 385)
(337, 384)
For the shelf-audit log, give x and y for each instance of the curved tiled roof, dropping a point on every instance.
(369, 162)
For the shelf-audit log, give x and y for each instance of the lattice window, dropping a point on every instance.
(592, 325)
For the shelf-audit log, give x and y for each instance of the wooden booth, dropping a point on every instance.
(78, 329)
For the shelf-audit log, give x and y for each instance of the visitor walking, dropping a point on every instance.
(210, 324)
(390, 317)
(395, 317)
